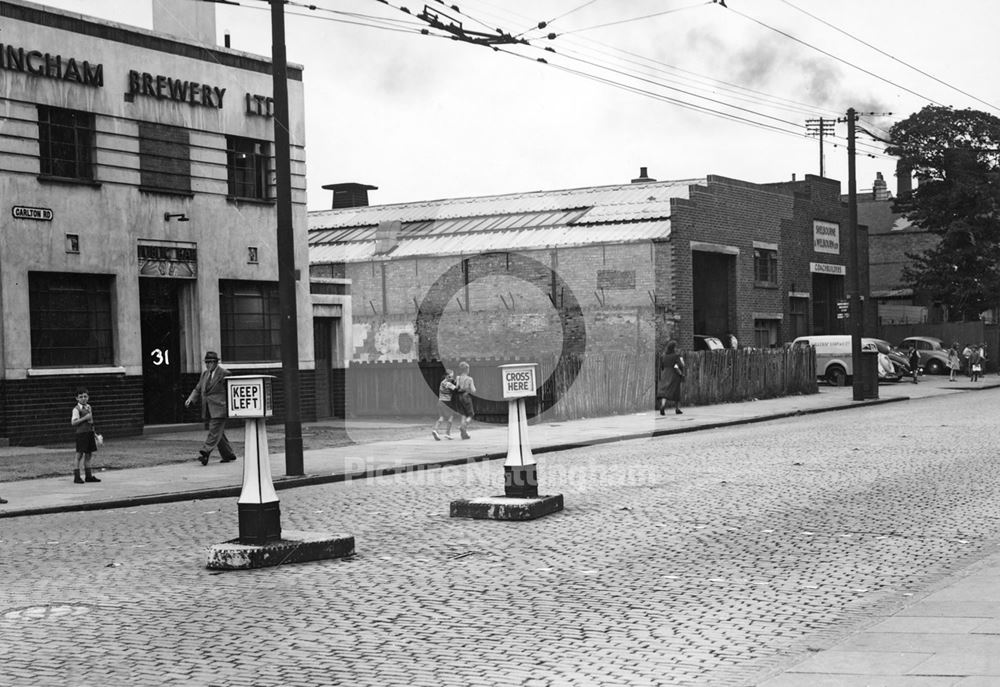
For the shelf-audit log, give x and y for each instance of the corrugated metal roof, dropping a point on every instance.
(524, 239)
(633, 201)
(524, 221)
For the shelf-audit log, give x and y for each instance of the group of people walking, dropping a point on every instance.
(455, 398)
(972, 357)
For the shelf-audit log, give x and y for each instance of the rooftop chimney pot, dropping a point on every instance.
(350, 194)
(643, 177)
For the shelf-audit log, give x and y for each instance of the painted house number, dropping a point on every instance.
(161, 356)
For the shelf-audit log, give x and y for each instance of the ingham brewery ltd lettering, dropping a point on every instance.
(49, 66)
(179, 90)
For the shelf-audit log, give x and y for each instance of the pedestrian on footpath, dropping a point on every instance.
(914, 363)
(210, 391)
(83, 420)
(668, 388)
(954, 363)
(975, 363)
(464, 388)
(445, 390)
(966, 354)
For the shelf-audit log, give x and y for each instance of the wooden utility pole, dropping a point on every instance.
(820, 127)
(286, 244)
(854, 261)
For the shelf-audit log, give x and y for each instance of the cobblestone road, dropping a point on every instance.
(711, 558)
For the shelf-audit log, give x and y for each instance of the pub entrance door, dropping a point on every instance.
(159, 320)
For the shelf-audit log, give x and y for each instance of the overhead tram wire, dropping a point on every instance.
(743, 95)
(647, 16)
(762, 97)
(831, 55)
(417, 28)
(891, 57)
(652, 82)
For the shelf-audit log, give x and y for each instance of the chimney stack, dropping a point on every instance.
(904, 180)
(350, 194)
(643, 178)
(880, 190)
(186, 19)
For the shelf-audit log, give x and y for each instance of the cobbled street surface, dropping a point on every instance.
(712, 558)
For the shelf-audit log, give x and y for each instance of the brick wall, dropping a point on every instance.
(38, 409)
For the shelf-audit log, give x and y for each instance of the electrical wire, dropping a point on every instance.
(891, 57)
(647, 16)
(832, 56)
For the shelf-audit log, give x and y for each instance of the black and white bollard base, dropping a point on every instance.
(506, 508)
(293, 547)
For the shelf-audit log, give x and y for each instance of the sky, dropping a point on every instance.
(426, 117)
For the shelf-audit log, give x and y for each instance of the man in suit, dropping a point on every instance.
(211, 392)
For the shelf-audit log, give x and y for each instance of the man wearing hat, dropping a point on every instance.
(211, 391)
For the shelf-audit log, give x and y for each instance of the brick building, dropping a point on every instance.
(636, 264)
(892, 237)
(139, 227)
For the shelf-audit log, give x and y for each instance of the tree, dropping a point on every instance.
(955, 155)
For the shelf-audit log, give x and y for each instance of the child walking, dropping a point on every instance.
(445, 390)
(465, 387)
(83, 420)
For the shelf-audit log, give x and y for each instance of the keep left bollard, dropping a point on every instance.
(261, 543)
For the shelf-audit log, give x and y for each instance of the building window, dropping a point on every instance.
(765, 267)
(65, 143)
(766, 333)
(164, 158)
(247, 163)
(251, 321)
(71, 322)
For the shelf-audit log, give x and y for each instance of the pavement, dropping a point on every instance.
(950, 636)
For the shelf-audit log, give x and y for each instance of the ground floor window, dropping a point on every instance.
(251, 321)
(71, 321)
(766, 333)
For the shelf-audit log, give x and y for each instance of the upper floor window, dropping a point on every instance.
(246, 160)
(164, 158)
(765, 266)
(70, 318)
(251, 321)
(65, 143)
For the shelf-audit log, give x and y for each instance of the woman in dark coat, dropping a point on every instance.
(668, 387)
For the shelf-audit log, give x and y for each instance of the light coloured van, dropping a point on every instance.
(833, 355)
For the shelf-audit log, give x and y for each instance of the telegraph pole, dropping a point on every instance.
(286, 244)
(820, 127)
(853, 260)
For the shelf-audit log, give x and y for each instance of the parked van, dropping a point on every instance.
(833, 355)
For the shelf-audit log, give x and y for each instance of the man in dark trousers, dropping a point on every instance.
(211, 392)
(914, 363)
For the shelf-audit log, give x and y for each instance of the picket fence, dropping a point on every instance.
(591, 385)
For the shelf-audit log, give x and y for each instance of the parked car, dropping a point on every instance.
(898, 359)
(703, 342)
(933, 354)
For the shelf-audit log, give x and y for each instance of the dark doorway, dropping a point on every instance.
(159, 320)
(827, 290)
(713, 277)
(329, 379)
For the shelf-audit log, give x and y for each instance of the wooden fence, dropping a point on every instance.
(592, 385)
